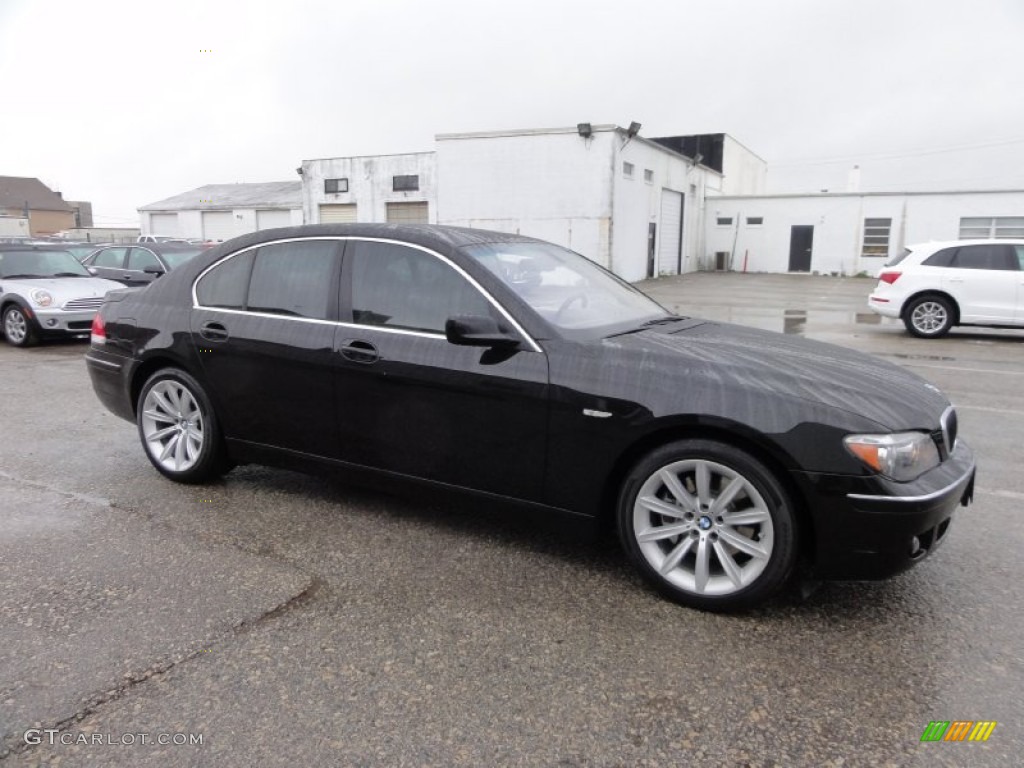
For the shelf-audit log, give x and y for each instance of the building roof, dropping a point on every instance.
(213, 197)
(17, 191)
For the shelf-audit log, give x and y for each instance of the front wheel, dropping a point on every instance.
(18, 328)
(929, 317)
(179, 429)
(708, 525)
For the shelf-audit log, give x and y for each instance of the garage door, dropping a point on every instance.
(271, 219)
(163, 224)
(408, 213)
(338, 214)
(670, 247)
(218, 225)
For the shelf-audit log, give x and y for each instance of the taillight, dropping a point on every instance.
(98, 335)
(889, 277)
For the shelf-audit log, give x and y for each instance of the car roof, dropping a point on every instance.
(938, 244)
(32, 247)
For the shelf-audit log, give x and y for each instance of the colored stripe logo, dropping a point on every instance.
(958, 730)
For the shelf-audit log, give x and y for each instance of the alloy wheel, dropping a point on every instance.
(929, 317)
(15, 326)
(172, 424)
(703, 527)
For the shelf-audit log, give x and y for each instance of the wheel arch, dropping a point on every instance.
(736, 435)
(148, 367)
(935, 293)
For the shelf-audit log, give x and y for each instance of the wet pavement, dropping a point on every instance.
(288, 619)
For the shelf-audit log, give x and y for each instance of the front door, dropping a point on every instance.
(801, 239)
(412, 403)
(984, 281)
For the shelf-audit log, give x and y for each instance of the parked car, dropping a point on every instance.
(934, 286)
(137, 265)
(44, 291)
(519, 371)
(158, 239)
(81, 250)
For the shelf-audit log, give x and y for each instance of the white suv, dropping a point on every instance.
(934, 286)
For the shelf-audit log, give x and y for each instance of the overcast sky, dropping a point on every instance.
(121, 104)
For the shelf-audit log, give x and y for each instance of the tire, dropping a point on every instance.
(725, 558)
(18, 328)
(929, 317)
(179, 429)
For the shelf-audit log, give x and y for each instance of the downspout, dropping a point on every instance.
(611, 205)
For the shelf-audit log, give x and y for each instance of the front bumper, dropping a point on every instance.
(872, 528)
(58, 322)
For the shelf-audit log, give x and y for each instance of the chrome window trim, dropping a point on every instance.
(425, 334)
(913, 499)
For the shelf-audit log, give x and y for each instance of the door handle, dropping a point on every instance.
(956, 279)
(360, 352)
(214, 332)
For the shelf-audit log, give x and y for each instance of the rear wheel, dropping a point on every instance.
(929, 317)
(18, 328)
(179, 429)
(708, 525)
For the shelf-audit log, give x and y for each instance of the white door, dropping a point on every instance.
(163, 224)
(983, 279)
(271, 219)
(218, 225)
(408, 213)
(671, 229)
(338, 214)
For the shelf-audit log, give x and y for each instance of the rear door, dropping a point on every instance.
(984, 280)
(264, 329)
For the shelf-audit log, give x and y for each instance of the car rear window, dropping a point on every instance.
(898, 258)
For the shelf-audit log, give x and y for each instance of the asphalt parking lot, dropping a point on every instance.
(286, 619)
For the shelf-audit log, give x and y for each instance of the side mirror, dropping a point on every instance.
(477, 331)
(154, 271)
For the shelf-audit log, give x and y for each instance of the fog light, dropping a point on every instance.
(915, 545)
(52, 322)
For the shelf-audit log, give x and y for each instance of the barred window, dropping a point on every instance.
(876, 237)
(335, 185)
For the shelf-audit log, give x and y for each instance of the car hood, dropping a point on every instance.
(742, 358)
(62, 288)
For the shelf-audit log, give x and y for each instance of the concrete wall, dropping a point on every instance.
(555, 185)
(838, 221)
(50, 222)
(370, 185)
(744, 172)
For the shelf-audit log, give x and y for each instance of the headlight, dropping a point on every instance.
(41, 298)
(901, 456)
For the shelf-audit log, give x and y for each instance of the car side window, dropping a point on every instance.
(294, 279)
(990, 256)
(110, 257)
(941, 258)
(140, 258)
(226, 285)
(399, 287)
(1020, 256)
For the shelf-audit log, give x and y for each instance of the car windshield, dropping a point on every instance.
(567, 289)
(175, 259)
(40, 264)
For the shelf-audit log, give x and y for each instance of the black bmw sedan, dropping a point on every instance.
(519, 371)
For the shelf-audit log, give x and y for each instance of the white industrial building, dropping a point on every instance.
(849, 233)
(394, 188)
(632, 204)
(222, 211)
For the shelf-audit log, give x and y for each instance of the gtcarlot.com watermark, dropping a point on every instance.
(54, 737)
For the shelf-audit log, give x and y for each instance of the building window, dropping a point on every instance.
(627, 170)
(335, 185)
(991, 226)
(876, 237)
(405, 183)
(724, 221)
(755, 221)
(648, 175)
